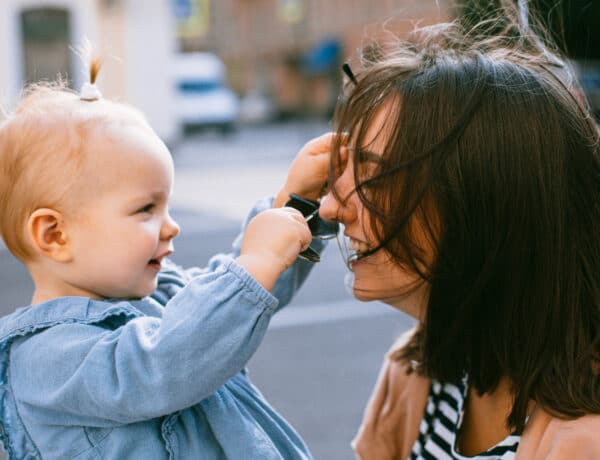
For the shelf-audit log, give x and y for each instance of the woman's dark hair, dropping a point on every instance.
(491, 163)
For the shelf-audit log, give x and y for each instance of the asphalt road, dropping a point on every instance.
(321, 355)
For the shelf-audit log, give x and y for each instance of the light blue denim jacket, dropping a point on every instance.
(157, 378)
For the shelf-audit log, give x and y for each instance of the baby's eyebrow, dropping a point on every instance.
(159, 195)
(153, 196)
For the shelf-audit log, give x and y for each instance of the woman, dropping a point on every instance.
(469, 189)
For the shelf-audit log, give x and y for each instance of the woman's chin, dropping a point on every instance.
(363, 296)
(410, 303)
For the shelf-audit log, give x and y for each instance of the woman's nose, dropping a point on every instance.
(170, 229)
(334, 210)
(329, 208)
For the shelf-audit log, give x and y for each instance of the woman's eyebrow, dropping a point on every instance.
(371, 157)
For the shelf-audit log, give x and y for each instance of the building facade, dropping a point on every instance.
(288, 52)
(266, 43)
(135, 37)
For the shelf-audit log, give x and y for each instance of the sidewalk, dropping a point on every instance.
(226, 175)
(225, 191)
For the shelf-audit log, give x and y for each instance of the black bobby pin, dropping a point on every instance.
(348, 71)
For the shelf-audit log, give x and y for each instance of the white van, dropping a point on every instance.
(203, 97)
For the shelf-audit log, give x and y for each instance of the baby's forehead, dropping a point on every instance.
(70, 137)
(121, 169)
(60, 127)
(67, 127)
(125, 143)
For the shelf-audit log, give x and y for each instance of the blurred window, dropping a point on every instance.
(193, 18)
(45, 37)
(291, 11)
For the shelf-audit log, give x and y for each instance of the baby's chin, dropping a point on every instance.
(134, 293)
(146, 290)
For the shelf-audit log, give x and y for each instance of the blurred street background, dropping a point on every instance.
(235, 88)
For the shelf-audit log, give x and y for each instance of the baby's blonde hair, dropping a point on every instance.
(43, 145)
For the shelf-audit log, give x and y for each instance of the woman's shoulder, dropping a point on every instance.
(391, 419)
(548, 437)
(576, 438)
(395, 351)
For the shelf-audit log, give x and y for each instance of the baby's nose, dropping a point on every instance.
(170, 229)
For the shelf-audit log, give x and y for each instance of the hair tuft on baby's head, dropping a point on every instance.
(95, 65)
(91, 59)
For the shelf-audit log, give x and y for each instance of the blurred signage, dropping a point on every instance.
(291, 11)
(193, 17)
(182, 9)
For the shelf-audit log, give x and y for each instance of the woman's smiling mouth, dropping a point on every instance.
(357, 250)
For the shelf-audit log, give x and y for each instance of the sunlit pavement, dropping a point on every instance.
(226, 174)
(321, 355)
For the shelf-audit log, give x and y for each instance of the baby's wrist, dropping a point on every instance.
(281, 198)
(265, 270)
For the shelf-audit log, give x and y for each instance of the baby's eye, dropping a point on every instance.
(147, 208)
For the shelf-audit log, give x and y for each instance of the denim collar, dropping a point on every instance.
(27, 320)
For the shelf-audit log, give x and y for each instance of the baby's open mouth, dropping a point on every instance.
(155, 262)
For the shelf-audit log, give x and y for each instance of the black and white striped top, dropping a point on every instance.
(441, 424)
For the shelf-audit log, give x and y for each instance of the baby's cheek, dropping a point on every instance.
(152, 227)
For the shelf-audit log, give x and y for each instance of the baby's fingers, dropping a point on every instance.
(303, 231)
(320, 145)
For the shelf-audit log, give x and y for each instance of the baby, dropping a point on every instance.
(122, 354)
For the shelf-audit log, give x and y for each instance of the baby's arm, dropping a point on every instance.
(151, 366)
(306, 177)
(264, 253)
(173, 278)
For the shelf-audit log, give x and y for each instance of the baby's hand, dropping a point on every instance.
(308, 173)
(272, 241)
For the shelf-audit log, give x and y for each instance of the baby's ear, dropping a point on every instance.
(48, 235)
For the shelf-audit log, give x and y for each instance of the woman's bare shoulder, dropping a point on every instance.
(562, 439)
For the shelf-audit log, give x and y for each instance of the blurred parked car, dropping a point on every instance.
(203, 97)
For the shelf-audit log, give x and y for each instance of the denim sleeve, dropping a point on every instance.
(151, 366)
(174, 278)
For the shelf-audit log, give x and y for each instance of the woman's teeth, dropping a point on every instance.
(357, 249)
(358, 246)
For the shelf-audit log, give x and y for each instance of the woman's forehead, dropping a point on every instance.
(375, 135)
